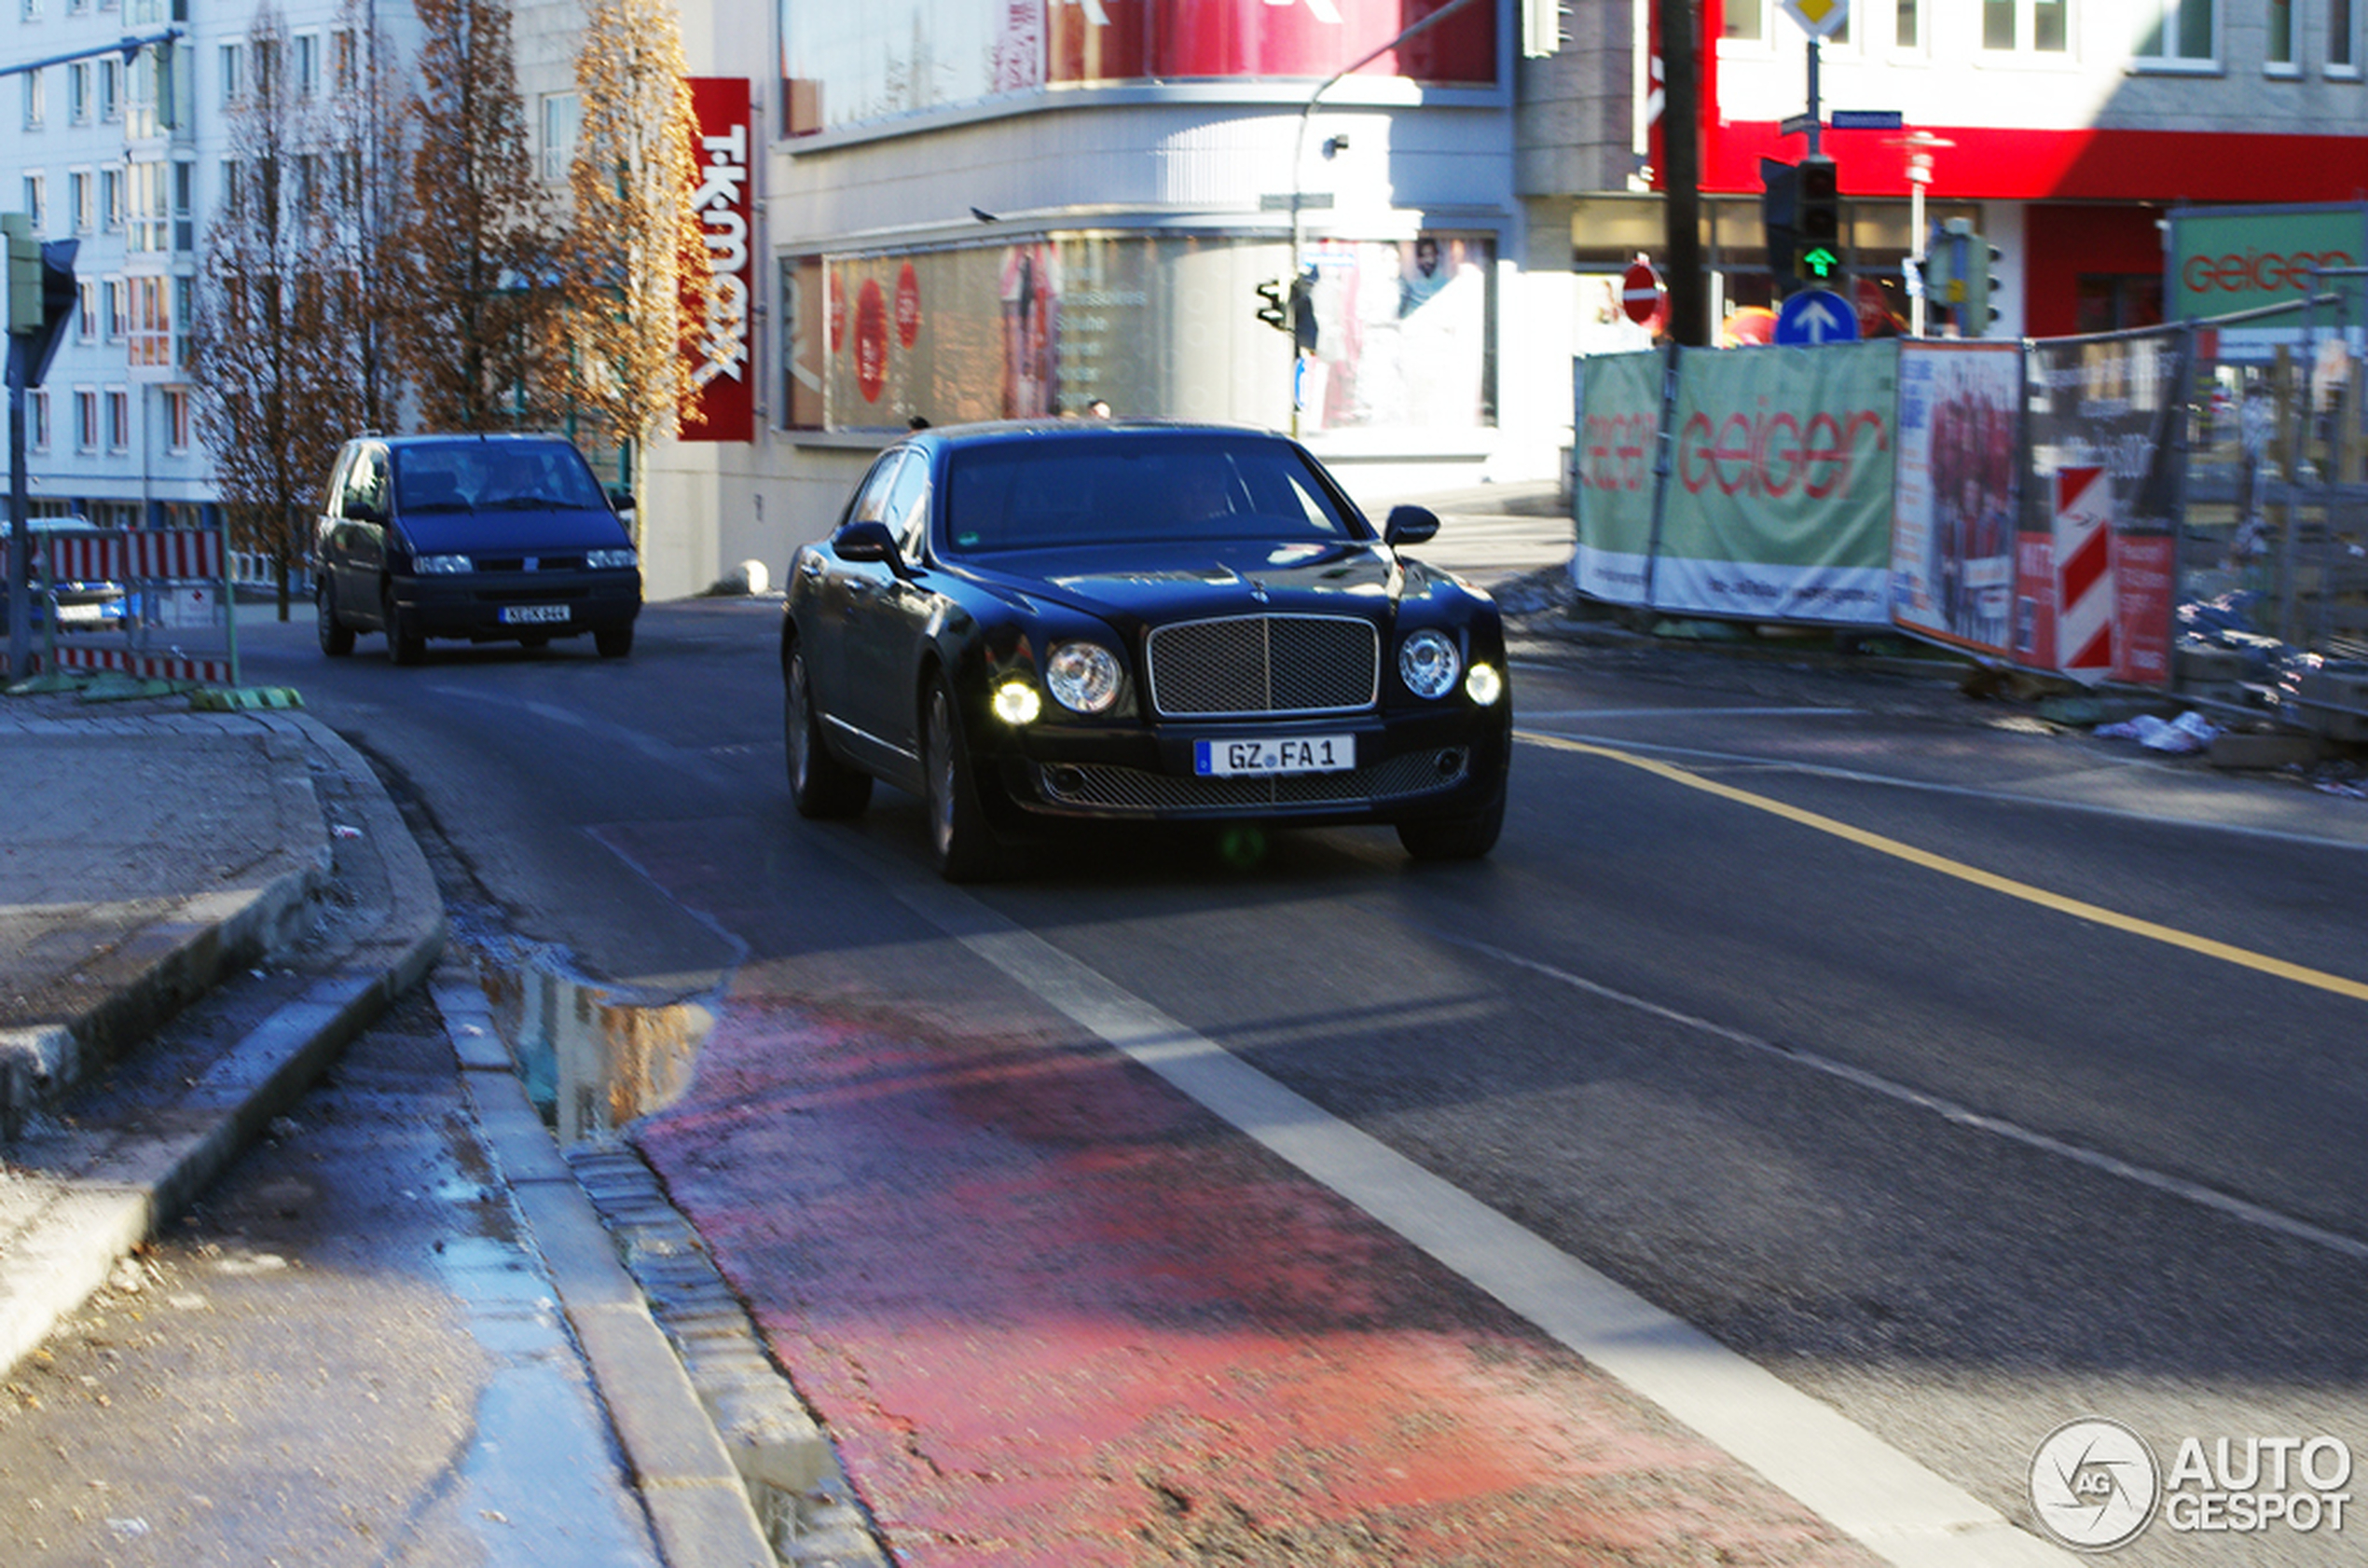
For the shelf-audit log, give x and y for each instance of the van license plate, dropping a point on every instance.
(532, 614)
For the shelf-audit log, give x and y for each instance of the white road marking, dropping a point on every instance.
(2237, 1208)
(1894, 1506)
(1964, 792)
(1567, 715)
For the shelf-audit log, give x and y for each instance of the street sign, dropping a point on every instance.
(1819, 19)
(1815, 316)
(1793, 125)
(1866, 119)
(1639, 291)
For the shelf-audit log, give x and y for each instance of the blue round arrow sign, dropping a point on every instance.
(1815, 316)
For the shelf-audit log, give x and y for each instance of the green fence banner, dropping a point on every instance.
(1619, 403)
(1778, 505)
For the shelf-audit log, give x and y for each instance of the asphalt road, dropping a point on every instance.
(1969, 1080)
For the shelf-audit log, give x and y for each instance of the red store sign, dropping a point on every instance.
(717, 343)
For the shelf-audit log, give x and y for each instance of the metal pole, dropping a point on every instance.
(20, 579)
(1816, 129)
(1299, 159)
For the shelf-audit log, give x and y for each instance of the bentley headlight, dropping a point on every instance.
(442, 566)
(1428, 663)
(1082, 677)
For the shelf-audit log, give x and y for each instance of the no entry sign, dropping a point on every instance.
(1639, 291)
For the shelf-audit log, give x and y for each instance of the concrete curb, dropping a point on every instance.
(698, 1499)
(89, 1201)
(171, 956)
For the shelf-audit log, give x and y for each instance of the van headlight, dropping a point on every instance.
(608, 560)
(442, 566)
(1428, 663)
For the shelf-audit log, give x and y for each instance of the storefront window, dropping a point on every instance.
(1163, 326)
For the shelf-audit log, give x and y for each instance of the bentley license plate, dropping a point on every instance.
(1304, 754)
(518, 615)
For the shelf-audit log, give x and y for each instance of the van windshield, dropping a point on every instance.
(494, 477)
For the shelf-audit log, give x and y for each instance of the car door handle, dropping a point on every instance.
(810, 567)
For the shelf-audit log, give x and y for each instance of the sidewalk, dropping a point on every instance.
(151, 858)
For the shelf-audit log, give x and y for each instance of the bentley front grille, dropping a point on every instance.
(1255, 666)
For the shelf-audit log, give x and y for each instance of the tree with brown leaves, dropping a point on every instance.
(276, 391)
(480, 270)
(639, 275)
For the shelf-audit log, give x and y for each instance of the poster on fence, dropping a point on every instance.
(2102, 434)
(1955, 504)
(1619, 403)
(1780, 503)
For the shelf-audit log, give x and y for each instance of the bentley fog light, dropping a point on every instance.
(1016, 702)
(1483, 685)
(1082, 677)
(1428, 663)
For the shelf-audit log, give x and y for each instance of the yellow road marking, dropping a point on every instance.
(2079, 909)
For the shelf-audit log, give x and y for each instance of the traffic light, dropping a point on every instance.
(1271, 312)
(1975, 267)
(24, 272)
(1303, 312)
(1818, 217)
(1778, 193)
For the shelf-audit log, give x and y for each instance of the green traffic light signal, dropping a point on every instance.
(1816, 264)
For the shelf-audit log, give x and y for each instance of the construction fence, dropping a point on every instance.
(2182, 509)
(152, 604)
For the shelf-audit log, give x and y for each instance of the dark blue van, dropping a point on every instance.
(499, 538)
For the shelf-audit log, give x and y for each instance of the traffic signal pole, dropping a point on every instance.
(1682, 179)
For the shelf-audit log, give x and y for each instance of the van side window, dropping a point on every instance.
(365, 486)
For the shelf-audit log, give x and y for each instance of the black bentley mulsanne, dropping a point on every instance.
(1027, 622)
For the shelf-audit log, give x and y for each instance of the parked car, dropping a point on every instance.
(501, 538)
(80, 604)
(1029, 623)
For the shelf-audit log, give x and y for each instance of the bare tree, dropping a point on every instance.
(480, 271)
(366, 140)
(275, 394)
(639, 275)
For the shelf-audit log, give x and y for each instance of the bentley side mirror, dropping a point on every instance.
(869, 542)
(1410, 524)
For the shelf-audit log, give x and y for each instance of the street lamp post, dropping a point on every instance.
(1920, 146)
(1299, 154)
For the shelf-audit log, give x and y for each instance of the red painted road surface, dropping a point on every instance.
(1054, 1314)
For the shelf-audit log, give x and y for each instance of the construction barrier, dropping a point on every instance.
(156, 568)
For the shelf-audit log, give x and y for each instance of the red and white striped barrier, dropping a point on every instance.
(125, 554)
(147, 666)
(2083, 529)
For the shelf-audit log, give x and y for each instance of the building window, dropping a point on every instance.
(2030, 26)
(1746, 21)
(345, 66)
(111, 199)
(78, 93)
(176, 420)
(151, 341)
(562, 122)
(86, 315)
(118, 309)
(119, 420)
(80, 202)
(85, 419)
(232, 78)
(36, 200)
(111, 90)
(2177, 32)
(1908, 26)
(36, 411)
(2341, 61)
(35, 99)
(2278, 44)
(307, 64)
